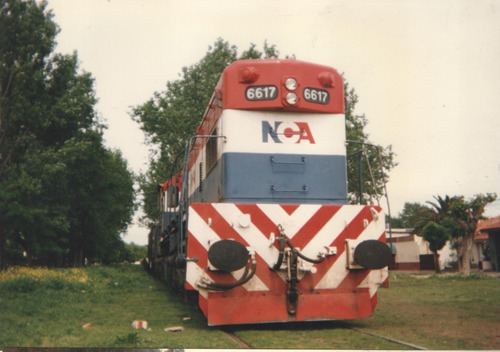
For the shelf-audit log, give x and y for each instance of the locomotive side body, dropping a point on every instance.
(263, 232)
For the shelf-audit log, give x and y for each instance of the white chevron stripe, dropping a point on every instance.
(201, 231)
(193, 274)
(291, 223)
(374, 279)
(261, 244)
(338, 272)
(205, 235)
(252, 235)
(331, 230)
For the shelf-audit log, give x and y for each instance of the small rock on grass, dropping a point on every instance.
(174, 329)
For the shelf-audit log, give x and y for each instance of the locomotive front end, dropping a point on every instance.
(268, 233)
(293, 263)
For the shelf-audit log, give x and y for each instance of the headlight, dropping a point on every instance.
(291, 98)
(291, 84)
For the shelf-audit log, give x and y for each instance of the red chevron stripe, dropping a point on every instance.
(290, 208)
(226, 231)
(374, 300)
(352, 231)
(259, 219)
(314, 225)
(355, 279)
(196, 250)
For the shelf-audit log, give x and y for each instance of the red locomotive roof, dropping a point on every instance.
(175, 180)
(262, 85)
(319, 88)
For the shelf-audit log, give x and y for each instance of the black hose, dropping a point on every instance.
(244, 279)
(281, 242)
(307, 259)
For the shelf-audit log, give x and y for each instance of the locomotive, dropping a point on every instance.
(257, 223)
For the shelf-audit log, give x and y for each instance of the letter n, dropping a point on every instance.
(267, 131)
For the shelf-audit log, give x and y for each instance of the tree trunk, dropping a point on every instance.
(437, 267)
(29, 252)
(460, 247)
(76, 257)
(2, 251)
(464, 259)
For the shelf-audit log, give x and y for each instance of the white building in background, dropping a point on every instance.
(411, 252)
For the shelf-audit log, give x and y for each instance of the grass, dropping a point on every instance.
(36, 312)
(440, 312)
(47, 308)
(435, 312)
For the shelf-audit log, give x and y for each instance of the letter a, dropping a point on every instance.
(305, 133)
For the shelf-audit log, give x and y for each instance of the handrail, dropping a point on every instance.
(384, 182)
(302, 162)
(185, 184)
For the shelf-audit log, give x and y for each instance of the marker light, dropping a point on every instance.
(291, 84)
(248, 74)
(327, 79)
(291, 98)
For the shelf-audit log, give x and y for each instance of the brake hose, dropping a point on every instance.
(307, 259)
(281, 241)
(223, 286)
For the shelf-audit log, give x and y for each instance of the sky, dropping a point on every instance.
(427, 73)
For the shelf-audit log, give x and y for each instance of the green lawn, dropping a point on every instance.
(440, 312)
(47, 308)
(44, 313)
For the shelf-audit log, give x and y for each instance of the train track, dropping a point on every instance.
(390, 339)
(407, 345)
(236, 339)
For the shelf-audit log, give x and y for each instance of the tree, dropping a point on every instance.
(467, 213)
(413, 216)
(437, 236)
(100, 200)
(47, 119)
(460, 217)
(170, 118)
(137, 252)
(375, 161)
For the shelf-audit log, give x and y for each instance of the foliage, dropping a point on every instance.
(21, 279)
(460, 217)
(137, 252)
(457, 215)
(170, 118)
(131, 339)
(376, 161)
(99, 213)
(413, 216)
(436, 235)
(52, 159)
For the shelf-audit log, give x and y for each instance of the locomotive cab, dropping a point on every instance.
(272, 150)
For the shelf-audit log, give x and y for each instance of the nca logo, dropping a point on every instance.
(286, 132)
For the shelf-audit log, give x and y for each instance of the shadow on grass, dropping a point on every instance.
(293, 326)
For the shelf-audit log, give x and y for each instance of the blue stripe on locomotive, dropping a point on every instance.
(275, 178)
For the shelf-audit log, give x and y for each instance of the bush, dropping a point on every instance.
(23, 279)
